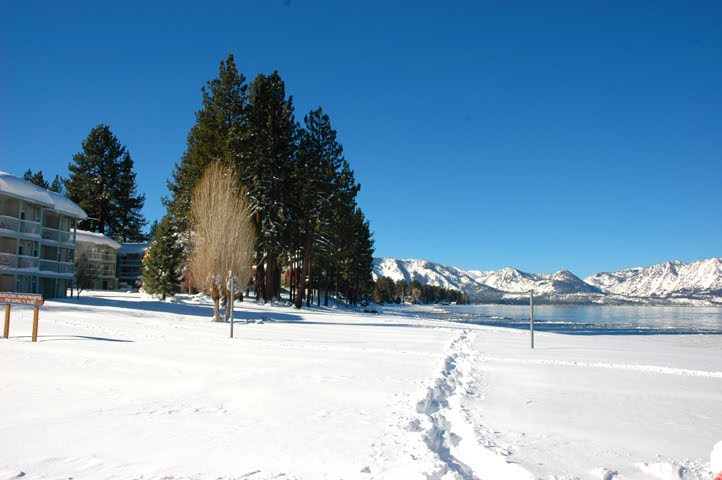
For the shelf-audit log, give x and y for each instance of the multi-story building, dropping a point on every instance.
(95, 260)
(130, 263)
(37, 238)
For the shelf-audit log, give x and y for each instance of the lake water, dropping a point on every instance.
(593, 319)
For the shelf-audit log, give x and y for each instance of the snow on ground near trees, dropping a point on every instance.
(122, 386)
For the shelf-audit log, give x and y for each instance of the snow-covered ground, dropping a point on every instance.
(121, 386)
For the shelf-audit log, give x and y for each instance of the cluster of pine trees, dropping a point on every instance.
(388, 291)
(103, 183)
(301, 192)
(57, 185)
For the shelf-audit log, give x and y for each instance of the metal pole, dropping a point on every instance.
(231, 300)
(531, 316)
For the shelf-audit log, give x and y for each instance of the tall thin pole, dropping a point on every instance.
(531, 316)
(232, 301)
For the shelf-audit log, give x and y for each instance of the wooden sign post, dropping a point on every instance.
(9, 298)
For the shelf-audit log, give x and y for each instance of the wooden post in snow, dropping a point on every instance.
(7, 321)
(36, 312)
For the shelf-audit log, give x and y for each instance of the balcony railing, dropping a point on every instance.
(23, 226)
(101, 257)
(9, 223)
(101, 272)
(9, 260)
(57, 235)
(53, 266)
(30, 228)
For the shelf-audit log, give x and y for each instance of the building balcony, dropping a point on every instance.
(56, 267)
(10, 261)
(21, 227)
(53, 235)
(100, 273)
(101, 257)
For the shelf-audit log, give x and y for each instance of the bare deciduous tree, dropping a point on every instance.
(223, 236)
(85, 273)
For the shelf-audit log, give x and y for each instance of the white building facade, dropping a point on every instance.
(97, 254)
(37, 238)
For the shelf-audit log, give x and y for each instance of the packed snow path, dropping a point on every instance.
(121, 386)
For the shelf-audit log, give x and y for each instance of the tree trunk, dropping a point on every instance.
(277, 283)
(292, 280)
(229, 306)
(270, 277)
(216, 308)
(260, 282)
(309, 288)
(305, 268)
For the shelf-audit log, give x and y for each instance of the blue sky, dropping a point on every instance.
(538, 135)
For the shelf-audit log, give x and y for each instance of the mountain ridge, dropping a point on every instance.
(671, 282)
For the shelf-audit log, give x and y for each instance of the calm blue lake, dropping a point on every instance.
(593, 319)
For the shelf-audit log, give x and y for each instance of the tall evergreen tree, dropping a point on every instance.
(103, 184)
(214, 137)
(127, 223)
(162, 262)
(355, 255)
(268, 148)
(325, 183)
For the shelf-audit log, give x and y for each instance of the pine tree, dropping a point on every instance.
(214, 137)
(162, 262)
(37, 178)
(355, 255)
(58, 185)
(268, 147)
(128, 221)
(103, 184)
(325, 183)
(153, 228)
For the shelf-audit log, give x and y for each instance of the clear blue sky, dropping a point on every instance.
(539, 135)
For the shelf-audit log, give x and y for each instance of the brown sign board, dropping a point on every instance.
(21, 298)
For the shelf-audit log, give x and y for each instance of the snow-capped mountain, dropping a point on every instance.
(505, 284)
(669, 279)
(667, 282)
(426, 272)
(513, 280)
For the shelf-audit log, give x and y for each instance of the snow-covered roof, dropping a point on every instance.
(95, 238)
(17, 187)
(67, 206)
(130, 248)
